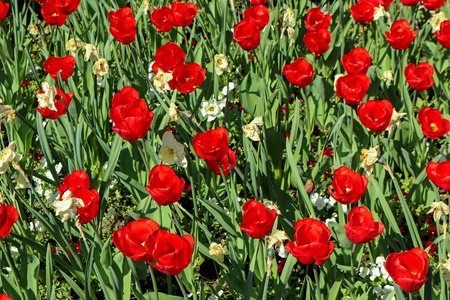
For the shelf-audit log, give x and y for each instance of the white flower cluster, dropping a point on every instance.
(321, 202)
(377, 271)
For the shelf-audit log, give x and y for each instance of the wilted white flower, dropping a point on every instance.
(145, 6)
(46, 99)
(446, 269)
(73, 46)
(66, 205)
(221, 63)
(20, 180)
(212, 109)
(7, 156)
(91, 52)
(436, 21)
(379, 12)
(171, 151)
(174, 113)
(100, 68)
(289, 17)
(388, 77)
(161, 81)
(368, 158)
(33, 29)
(253, 130)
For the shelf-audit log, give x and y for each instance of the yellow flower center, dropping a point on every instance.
(434, 127)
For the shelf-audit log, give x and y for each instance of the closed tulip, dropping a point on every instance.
(123, 25)
(246, 34)
(419, 77)
(352, 88)
(357, 61)
(299, 73)
(312, 243)
(257, 221)
(164, 185)
(211, 145)
(316, 19)
(317, 41)
(62, 65)
(361, 227)
(8, 216)
(168, 57)
(439, 173)
(443, 35)
(258, 15)
(401, 36)
(4, 8)
(363, 11)
(162, 18)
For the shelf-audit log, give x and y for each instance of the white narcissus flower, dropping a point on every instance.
(436, 21)
(66, 205)
(174, 113)
(21, 180)
(7, 156)
(379, 12)
(172, 152)
(46, 100)
(212, 109)
(221, 63)
(73, 46)
(368, 158)
(161, 81)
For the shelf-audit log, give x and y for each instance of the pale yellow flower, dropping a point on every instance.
(221, 63)
(21, 181)
(396, 117)
(368, 158)
(388, 77)
(217, 251)
(6, 110)
(270, 205)
(33, 29)
(171, 151)
(446, 269)
(289, 17)
(72, 46)
(101, 67)
(438, 209)
(379, 12)
(174, 113)
(276, 241)
(67, 205)
(436, 21)
(8, 156)
(161, 81)
(145, 6)
(253, 130)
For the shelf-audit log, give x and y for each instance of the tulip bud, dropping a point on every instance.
(309, 186)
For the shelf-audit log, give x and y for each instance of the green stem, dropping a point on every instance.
(414, 99)
(143, 157)
(316, 279)
(351, 261)
(134, 59)
(11, 264)
(410, 296)
(175, 217)
(351, 127)
(307, 113)
(379, 144)
(224, 180)
(155, 285)
(183, 290)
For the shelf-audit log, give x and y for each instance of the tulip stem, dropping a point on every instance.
(316, 279)
(224, 180)
(143, 156)
(410, 296)
(175, 217)
(305, 100)
(155, 285)
(414, 100)
(183, 290)
(351, 261)
(134, 59)
(351, 127)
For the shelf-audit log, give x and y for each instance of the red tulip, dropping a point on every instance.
(316, 19)
(4, 8)
(131, 240)
(401, 36)
(51, 14)
(77, 179)
(171, 252)
(246, 34)
(311, 242)
(257, 2)
(419, 77)
(224, 162)
(443, 35)
(62, 65)
(187, 78)
(123, 25)
(168, 57)
(408, 269)
(162, 18)
(348, 186)
(384, 3)
(91, 200)
(61, 101)
(258, 15)
(257, 220)
(300, 72)
(130, 114)
(164, 185)
(439, 173)
(376, 114)
(410, 2)
(4, 297)
(211, 145)
(433, 125)
(357, 61)
(361, 227)
(8, 216)
(317, 41)
(433, 4)
(66, 7)
(363, 11)
(183, 13)
(352, 88)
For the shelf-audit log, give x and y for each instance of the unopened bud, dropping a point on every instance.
(309, 186)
